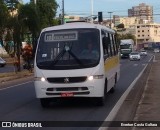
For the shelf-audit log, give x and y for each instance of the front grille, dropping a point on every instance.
(74, 93)
(74, 90)
(67, 89)
(67, 79)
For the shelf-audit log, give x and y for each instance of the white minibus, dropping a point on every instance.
(76, 60)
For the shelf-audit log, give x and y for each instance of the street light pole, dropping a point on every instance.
(91, 10)
(62, 12)
(35, 1)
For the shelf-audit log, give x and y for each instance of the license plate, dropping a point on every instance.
(69, 94)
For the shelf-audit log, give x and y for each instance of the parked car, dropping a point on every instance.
(156, 50)
(143, 52)
(2, 62)
(134, 56)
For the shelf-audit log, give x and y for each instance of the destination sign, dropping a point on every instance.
(62, 36)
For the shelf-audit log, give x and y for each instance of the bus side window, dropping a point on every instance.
(105, 46)
(114, 45)
(109, 45)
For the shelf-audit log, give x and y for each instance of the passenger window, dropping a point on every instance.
(114, 45)
(110, 46)
(106, 45)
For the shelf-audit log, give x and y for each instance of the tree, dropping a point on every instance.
(46, 11)
(3, 20)
(14, 26)
(27, 55)
(125, 36)
(120, 25)
(38, 17)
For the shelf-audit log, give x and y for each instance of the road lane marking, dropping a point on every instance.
(15, 85)
(135, 65)
(119, 103)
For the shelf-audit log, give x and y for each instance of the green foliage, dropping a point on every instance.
(125, 36)
(46, 11)
(8, 36)
(120, 25)
(3, 18)
(29, 20)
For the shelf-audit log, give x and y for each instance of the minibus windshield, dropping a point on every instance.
(68, 49)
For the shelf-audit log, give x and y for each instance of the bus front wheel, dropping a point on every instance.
(100, 101)
(45, 102)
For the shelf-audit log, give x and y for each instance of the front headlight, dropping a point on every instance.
(40, 79)
(95, 77)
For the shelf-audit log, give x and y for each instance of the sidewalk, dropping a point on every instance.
(11, 76)
(143, 101)
(149, 105)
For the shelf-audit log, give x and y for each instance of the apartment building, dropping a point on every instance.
(146, 33)
(142, 11)
(127, 21)
(72, 18)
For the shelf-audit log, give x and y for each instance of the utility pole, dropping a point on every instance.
(91, 11)
(35, 1)
(62, 12)
(110, 18)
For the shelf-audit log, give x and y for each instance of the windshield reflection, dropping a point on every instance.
(68, 49)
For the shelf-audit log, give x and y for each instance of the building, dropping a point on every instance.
(145, 33)
(142, 11)
(127, 21)
(72, 18)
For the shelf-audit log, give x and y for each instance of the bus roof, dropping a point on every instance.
(78, 25)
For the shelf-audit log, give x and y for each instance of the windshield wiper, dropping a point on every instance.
(75, 57)
(58, 57)
(61, 54)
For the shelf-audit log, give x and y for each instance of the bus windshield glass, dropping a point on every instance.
(68, 49)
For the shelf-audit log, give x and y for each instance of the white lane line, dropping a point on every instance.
(15, 85)
(154, 59)
(135, 65)
(117, 106)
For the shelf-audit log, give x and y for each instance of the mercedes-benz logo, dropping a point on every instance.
(66, 80)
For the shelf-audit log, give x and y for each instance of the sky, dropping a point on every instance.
(118, 7)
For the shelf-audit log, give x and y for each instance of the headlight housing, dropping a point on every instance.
(95, 77)
(40, 79)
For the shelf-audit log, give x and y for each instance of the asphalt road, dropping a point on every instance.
(18, 103)
(7, 68)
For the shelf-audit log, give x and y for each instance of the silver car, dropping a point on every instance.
(2, 62)
(134, 56)
(143, 52)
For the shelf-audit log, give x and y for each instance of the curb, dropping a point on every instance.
(14, 77)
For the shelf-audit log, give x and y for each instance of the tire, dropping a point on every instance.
(100, 101)
(2, 65)
(45, 102)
